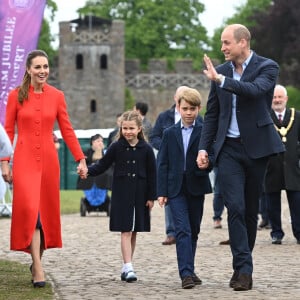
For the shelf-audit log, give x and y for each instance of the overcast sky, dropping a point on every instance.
(216, 11)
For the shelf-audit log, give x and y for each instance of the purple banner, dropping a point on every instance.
(20, 24)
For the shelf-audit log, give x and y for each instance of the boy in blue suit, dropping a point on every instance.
(182, 184)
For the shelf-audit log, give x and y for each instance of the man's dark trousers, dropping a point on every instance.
(241, 180)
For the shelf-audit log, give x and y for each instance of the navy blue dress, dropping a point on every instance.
(134, 182)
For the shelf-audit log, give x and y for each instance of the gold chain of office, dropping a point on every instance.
(284, 130)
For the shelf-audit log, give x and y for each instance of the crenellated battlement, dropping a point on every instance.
(158, 75)
(94, 74)
(181, 66)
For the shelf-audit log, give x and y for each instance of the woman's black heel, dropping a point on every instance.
(39, 284)
(30, 268)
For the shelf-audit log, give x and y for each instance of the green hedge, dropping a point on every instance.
(294, 97)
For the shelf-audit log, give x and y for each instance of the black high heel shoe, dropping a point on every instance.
(39, 284)
(30, 268)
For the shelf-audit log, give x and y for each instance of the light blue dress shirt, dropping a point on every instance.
(186, 134)
(233, 129)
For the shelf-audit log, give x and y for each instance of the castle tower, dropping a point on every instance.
(91, 70)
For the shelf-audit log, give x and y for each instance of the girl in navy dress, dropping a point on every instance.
(133, 187)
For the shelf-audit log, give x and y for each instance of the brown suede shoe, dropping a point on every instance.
(233, 279)
(196, 279)
(227, 242)
(187, 282)
(170, 240)
(243, 283)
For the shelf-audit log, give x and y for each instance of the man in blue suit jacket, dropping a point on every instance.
(182, 184)
(240, 132)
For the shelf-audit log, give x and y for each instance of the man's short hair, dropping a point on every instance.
(142, 107)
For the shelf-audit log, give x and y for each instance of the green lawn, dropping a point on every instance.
(15, 277)
(15, 283)
(70, 201)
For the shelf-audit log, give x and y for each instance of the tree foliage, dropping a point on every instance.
(246, 15)
(277, 37)
(294, 96)
(275, 27)
(156, 28)
(45, 38)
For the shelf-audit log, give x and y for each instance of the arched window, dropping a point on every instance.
(79, 61)
(93, 106)
(103, 61)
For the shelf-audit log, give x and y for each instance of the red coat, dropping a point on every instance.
(35, 164)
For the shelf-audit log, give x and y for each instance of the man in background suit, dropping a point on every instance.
(283, 170)
(239, 130)
(113, 134)
(142, 108)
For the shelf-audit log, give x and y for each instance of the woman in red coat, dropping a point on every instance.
(34, 107)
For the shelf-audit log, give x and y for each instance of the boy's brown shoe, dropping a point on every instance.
(243, 283)
(187, 282)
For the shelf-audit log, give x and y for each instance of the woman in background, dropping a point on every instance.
(95, 188)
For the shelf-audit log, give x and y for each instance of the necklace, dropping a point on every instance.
(284, 130)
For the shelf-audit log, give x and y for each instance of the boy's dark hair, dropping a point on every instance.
(142, 107)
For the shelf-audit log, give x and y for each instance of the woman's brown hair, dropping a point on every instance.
(24, 87)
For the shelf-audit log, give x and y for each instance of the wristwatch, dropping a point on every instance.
(219, 78)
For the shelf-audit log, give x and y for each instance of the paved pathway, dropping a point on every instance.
(89, 264)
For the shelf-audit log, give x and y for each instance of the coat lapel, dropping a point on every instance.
(274, 118)
(287, 117)
(226, 99)
(250, 68)
(285, 121)
(178, 135)
(195, 134)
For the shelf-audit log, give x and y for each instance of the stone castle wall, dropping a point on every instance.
(106, 87)
(156, 89)
(158, 85)
(93, 93)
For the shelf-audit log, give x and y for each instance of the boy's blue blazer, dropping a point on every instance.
(170, 164)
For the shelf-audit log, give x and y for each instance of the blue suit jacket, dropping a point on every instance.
(253, 105)
(164, 120)
(170, 164)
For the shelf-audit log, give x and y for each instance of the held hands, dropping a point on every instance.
(150, 204)
(6, 171)
(162, 201)
(202, 160)
(82, 169)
